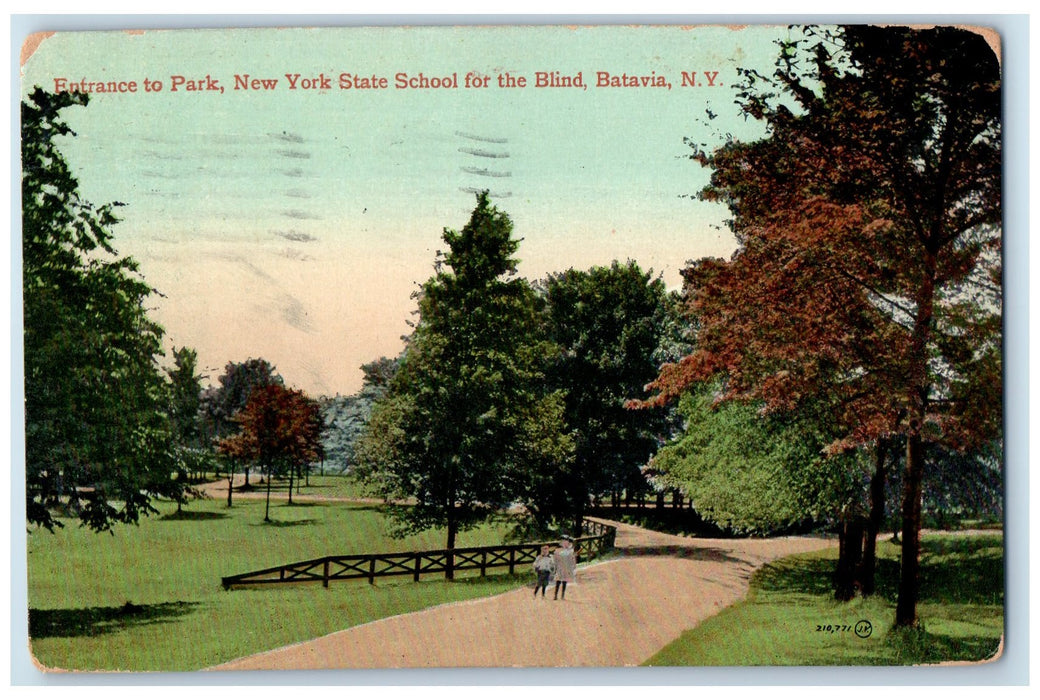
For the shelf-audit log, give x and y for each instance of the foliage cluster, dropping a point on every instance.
(754, 473)
(867, 284)
(99, 435)
(507, 393)
(280, 431)
(345, 417)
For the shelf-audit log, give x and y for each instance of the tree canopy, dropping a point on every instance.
(231, 394)
(192, 456)
(345, 417)
(869, 268)
(757, 474)
(607, 324)
(280, 429)
(98, 434)
(466, 417)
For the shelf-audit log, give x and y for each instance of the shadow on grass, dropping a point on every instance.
(357, 505)
(920, 646)
(194, 515)
(965, 572)
(89, 622)
(674, 521)
(325, 487)
(797, 576)
(680, 551)
(304, 504)
(471, 580)
(285, 523)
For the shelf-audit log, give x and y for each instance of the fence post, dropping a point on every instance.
(418, 565)
(325, 574)
(483, 562)
(512, 560)
(372, 570)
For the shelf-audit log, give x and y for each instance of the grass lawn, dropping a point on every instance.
(149, 597)
(316, 485)
(790, 617)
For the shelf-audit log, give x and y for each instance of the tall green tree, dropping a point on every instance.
(872, 211)
(185, 391)
(608, 325)
(466, 418)
(98, 436)
(185, 395)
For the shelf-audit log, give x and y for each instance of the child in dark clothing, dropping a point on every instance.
(543, 568)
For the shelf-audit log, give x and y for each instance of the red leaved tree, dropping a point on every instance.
(280, 429)
(868, 270)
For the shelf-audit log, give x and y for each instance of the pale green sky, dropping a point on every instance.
(293, 225)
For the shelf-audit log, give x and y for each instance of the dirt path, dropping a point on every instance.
(217, 490)
(619, 613)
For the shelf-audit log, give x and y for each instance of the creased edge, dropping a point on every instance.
(31, 44)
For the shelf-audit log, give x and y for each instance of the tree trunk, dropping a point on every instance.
(850, 556)
(230, 483)
(877, 516)
(579, 502)
(910, 567)
(290, 483)
(267, 507)
(917, 400)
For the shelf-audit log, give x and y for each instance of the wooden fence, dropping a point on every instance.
(599, 538)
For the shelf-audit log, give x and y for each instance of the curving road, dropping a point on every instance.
(619, 613)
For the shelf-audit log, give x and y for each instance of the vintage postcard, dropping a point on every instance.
(514, 347)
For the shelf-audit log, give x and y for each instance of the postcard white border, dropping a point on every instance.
(1010, 670)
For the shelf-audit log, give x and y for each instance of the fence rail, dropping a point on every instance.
(599, 538)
